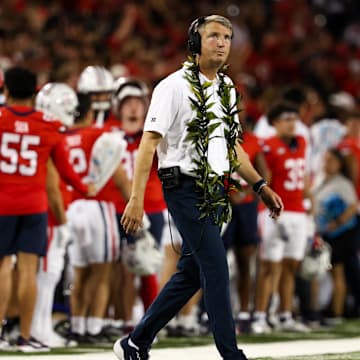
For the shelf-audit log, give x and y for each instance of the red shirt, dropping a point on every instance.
(78, 144)
(351, 145)
(252, 147)
(27, 141)
(287, 165)
(154, 200)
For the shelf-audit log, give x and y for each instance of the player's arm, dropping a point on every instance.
(253, 178)
(308, 195)
(122, 182)
(350, 211)
(56, 203)
(133, 214)
(60, 157)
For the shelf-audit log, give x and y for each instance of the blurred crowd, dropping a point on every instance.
(314, 42)
(298, 51)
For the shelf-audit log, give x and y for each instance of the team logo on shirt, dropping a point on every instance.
(281, 151)
(153, 119)
(21, 127)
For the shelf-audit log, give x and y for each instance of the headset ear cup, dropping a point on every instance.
(194, 43)
(197, 43)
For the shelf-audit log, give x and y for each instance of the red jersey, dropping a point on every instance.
(27, 141)
(78, 144)
(154, 200)
(287, 166)
(252, 147)
(351, 145)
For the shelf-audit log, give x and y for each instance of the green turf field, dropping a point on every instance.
(348, 356)
(348, 329)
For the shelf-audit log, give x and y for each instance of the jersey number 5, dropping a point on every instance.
(24, 160)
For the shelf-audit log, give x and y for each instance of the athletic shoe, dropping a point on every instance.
(31, 345)
(63, 327)
(260, 326)
(99, 339)
(273, 321)
(332, 321)
(125, 349)
(171, 331)
(243, 326)
(192, 331)
(112, 331)
(81, 339)
(205, 328)
(290, 325)
(56, 341)
(4, 344)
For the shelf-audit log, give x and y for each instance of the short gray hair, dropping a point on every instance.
(218, 19)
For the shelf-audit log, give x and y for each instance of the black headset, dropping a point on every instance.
(194, 42)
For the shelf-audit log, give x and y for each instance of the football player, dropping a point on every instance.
(283, 240)
(96, 240)
(242, 232)
(57, 101)
(130, 103)
(27, 141)
(98, 83)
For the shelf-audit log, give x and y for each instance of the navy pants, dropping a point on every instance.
(206, 268)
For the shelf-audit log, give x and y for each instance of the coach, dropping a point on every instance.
(192, 122)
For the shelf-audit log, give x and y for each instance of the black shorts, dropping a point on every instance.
(23, 233)
(243, 228)
(343, 246)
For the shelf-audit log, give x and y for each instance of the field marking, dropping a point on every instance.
(209, 352)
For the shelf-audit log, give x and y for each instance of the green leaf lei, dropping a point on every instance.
(214, 190)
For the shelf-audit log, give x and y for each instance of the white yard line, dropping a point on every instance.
(277, 349)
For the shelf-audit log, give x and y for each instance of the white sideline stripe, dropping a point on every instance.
(209, 352)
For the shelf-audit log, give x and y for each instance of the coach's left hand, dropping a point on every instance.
(272, 201)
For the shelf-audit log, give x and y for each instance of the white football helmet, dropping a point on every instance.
(125, 87)
(317, 260)
(143, 257)
(96, 80)
(99, 83)
(57, 101)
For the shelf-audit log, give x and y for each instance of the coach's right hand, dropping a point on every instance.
(133, 216)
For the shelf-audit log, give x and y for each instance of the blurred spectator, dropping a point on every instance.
(335, 207)
(275, 42)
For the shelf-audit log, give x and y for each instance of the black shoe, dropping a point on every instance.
(100, 338)
(172, 331)
(125, 349)
(112, 333)
(244, 326)
(81, 339)
(31, 345)
(187, 332)
(63, 328)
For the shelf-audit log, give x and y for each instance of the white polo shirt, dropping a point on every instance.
(170, 111)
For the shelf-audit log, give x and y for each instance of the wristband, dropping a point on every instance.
(258, 186)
